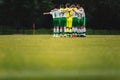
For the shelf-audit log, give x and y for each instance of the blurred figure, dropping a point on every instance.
(55, 14)
(74, 21)
(62, 20)
(81, 22)
(69, 16)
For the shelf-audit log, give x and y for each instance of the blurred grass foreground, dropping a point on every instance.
(42, 57)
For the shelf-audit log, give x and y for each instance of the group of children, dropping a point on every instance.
(68, 21)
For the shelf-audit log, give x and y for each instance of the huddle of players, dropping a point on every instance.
(68, 20)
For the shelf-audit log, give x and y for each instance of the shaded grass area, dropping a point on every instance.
(42, 57)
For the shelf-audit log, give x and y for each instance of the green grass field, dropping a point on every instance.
(42, 57)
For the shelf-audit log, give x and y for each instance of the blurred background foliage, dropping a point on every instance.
(21, 14)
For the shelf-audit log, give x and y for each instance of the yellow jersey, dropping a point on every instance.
(69, 12)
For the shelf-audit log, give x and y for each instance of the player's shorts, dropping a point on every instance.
(69, 23)
(75, 22)
(63, 22)
(56, 22)
(81, 22)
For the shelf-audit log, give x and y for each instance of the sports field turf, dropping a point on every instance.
(42, 57)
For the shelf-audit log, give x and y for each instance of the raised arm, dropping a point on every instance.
(46, 13)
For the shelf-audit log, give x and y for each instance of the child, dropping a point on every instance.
(55, 14)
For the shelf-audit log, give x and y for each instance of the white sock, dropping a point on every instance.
(57, 30)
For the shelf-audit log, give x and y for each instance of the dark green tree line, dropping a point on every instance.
(22, 13)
